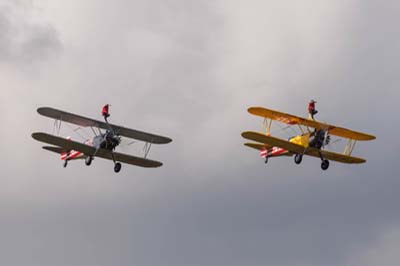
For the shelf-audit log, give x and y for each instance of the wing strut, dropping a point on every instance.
(93, 131)
(146, 149)
(301, 129)
(267, 126)
(57, 126)
(351, 144)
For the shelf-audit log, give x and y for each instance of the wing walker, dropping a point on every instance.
(312, 141)
(106, 139)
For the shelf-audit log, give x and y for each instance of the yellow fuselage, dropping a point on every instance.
(302, 140)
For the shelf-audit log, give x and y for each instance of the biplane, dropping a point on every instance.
(312, 139)
(106, 138)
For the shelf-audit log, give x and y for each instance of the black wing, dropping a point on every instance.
(90, 151)
(88, 122)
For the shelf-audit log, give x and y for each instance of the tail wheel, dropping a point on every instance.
(324, 165)
(65, 163)
(298, 158)
(266, 159)
(117, 167)
(88, 160)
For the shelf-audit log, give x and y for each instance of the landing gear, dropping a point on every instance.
(266, 159)
(298, 158)
(324, 162)
(65, 163)
(88, 160)
(117, 167)
(324, 165)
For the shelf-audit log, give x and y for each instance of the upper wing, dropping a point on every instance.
(295, 120)
(88, 150)
(292, 147)
(349, 134)
(88, 122)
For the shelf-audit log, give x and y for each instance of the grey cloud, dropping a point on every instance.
(189, 69)
(22, 40)
(384, 250)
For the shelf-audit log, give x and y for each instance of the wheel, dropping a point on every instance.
(324, 165)
(88, 160)
(117, 167)
(298, 158)
(65, 163)
(266, 159)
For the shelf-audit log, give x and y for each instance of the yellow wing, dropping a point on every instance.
(295, 148)
(295, 120)
(338, 157)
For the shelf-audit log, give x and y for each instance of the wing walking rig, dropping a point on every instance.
(106, 138)
(312, 140)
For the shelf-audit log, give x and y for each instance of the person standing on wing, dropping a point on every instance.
(105, 111)
(311, 109)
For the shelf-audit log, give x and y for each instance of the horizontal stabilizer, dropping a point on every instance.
(60, 151)
(258, 146)
(265, 147)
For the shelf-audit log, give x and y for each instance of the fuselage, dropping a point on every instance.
(107, 140)
(315, 139)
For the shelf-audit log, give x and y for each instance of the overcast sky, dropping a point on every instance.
(189, 70)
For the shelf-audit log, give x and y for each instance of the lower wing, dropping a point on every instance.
(91, 151)
(334, 156)
(295, 148)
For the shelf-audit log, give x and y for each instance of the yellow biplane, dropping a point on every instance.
(312, 140)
